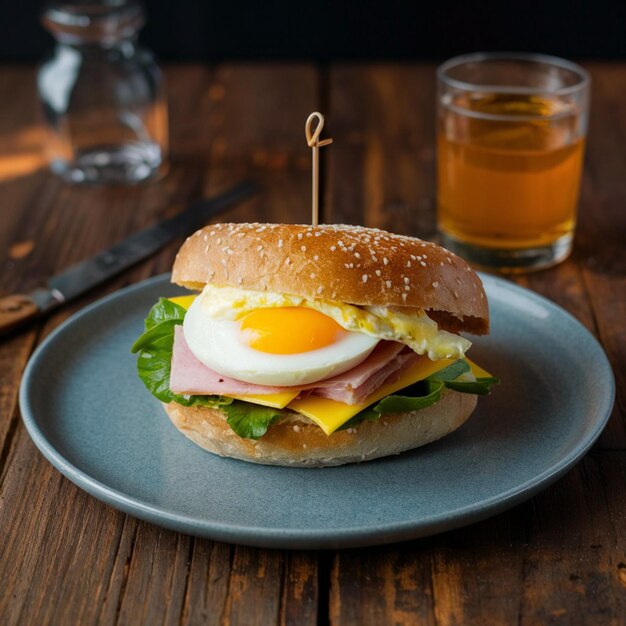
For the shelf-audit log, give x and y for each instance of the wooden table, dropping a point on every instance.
(65, 558)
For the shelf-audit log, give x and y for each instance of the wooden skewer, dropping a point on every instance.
(313, 141)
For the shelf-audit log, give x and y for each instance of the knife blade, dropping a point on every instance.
(79, 278)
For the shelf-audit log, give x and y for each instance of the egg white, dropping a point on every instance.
(218, 344)
(415, 329)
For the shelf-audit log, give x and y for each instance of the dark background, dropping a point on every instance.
(323, 30)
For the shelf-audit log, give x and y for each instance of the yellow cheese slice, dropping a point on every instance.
(329, 415)
(275, 400)
(478, 371)
(184, 301)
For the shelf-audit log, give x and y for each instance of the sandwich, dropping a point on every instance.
(314, 346)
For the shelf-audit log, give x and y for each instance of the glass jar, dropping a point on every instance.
(102, 94)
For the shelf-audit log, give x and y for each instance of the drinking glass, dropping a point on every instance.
(510, 143)
(102, 94)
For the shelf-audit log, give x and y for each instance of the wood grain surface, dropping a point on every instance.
(66, 558)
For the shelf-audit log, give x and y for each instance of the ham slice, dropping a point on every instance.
(190, 376)
(380, 356)
(350, 393)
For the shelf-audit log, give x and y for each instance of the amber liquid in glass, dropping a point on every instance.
(508, 184)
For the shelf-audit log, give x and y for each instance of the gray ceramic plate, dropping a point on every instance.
(90, 415)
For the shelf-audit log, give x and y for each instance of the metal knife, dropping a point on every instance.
(16, 310)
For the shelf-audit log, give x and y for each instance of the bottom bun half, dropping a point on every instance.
(296, 443)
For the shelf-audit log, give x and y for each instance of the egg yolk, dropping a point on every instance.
(289, 330)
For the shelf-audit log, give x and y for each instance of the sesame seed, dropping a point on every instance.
(364, 278)
(299, 236)
(312, 275)
(296, 428)
(320, 289)
(333, 248)
(435, 284)
(423, 263)
(317, 234)
(303, 248)
(406, 280)
(287, 261)
(309, 234)
(218, 241)
(408, 263)
(340, 243)
(259, 248)
(357, 255)
(403, 297)
(388, 284)
(316, 257)
(280, 243)
(449, 260)
(407, 288)
(385, 260)
(378, 272)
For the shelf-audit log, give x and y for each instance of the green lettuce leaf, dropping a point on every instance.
(250, 421)
(479, 387)
(404, 404)
(165, 311)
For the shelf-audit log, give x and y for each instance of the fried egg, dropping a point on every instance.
(285, 346)
(412, 327)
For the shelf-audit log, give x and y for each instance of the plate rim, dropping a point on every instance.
(299, 538)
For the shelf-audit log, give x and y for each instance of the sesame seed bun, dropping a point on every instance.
(297, 442)
(351, 264)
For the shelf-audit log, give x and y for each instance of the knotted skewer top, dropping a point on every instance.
(313, 141)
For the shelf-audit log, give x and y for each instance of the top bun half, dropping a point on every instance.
(351, 264)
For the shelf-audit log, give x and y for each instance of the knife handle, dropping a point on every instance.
(16, 310)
